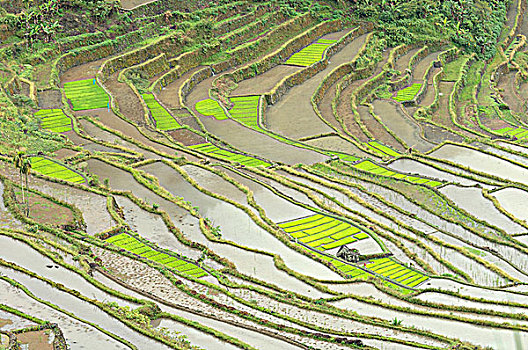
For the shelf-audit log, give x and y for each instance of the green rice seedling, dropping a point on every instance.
(373, 168)
(137, 247)
(310, 54)
(209, 148)
(322, 232)
(86, 94)
(210, 108)
(163, 119)
(53, 169)
(54, 120)
(408, 93)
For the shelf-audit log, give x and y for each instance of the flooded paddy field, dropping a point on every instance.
(264, 175)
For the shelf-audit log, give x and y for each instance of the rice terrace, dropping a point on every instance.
(273, 174)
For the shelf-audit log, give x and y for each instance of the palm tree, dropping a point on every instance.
(18, 160)
(26, 170)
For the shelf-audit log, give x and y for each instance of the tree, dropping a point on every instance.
(26, 170)
(19, 161)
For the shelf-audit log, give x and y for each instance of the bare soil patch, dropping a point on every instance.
(83, 71)
(130, 4)
(49, 99)
(336, 143)
(38, 340)
(402, 63)
(45, 211)
(393, 117)
(293, 116)
(436, 134)
(421, 67)
(42, 74)
(186, 137)
(64, 153)
(128, 102)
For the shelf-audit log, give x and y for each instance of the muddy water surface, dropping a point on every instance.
(406, 129)
(235, 224)
(293, 115)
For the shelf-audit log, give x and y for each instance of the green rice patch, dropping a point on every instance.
(86, 94)
(50, 168)
(163, 119)
(210, 108)
(408, 93)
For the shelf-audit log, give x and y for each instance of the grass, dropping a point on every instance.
(211, 149)
(472, 80)
(310, 54)
(54, 120)
(395, 271)
(56, 170)
(373, 168)
(86, 94)
(452, 69)
(408, 93)
(323, 232)
(132, 245)
(210, 108)
(164, 120)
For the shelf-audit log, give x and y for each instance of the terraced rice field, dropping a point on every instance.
(518, 133)
(381, 148)
(323, 233)
(372, 168)
(210, 149)
(407, 93)
(162, 118)
(210, 108)
(310, 54)
(55, 170)
(396, 272)
(245, 110)
(86, 94)
(54, 120)
(241, 193)
(141, 249)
